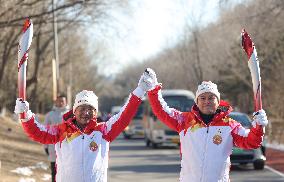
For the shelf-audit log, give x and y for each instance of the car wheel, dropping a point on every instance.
(126, 136)
(258, 164)
(155, 145)
(148, 143)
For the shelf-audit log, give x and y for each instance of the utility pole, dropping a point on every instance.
(69, 86)
(55, 43)
(54, 81)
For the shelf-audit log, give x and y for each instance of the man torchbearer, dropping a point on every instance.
(81, 143)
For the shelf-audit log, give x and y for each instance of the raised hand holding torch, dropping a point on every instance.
(253, 65)
(23, 48)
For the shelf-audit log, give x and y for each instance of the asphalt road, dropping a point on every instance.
(131, 161)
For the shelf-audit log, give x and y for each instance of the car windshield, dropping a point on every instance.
(241, 118)
(181, 103)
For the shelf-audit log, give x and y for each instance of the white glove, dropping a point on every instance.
(148, 80)
(23, 107)
(260, 117)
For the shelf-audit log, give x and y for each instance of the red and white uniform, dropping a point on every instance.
(205, 149)
(83, 156)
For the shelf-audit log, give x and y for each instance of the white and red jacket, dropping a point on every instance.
(205, 149)
(82, 156)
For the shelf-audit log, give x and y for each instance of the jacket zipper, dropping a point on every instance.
(83, 158)
(82, 148)
(205, 152)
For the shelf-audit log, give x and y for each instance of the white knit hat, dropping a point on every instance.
(207, 86)
(86, 97)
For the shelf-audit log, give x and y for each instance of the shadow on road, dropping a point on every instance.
(141, 147)
(169, 168)
(127, 147)
(243, 168)
(153, 158)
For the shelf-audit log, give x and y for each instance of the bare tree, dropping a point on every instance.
(71, 16)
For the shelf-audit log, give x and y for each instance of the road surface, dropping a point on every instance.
(131, 160)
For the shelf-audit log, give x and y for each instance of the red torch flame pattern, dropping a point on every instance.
(253, 64)
(23, 48)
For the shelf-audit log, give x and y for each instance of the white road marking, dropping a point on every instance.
(275, 171)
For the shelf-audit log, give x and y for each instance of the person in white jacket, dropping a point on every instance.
(54, 117)
(81, 143)
(207, 133)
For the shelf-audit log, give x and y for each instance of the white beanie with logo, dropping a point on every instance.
(86, 97)
(207, 86)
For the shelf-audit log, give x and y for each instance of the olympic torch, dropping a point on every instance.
(23, 48)
(253, 65)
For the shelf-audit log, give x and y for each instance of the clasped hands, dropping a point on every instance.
(148, 80)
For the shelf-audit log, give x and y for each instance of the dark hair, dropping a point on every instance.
(61, 95)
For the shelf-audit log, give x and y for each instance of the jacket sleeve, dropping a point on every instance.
(41, 133)
(117, 123)
(248, 138)
(171, 117)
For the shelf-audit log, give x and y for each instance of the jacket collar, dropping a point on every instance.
(91, 126)
(223, 110)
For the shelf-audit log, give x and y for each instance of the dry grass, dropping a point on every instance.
(16, 150)
(275, 131)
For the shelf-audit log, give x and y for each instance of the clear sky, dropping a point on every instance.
(145, 28)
